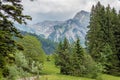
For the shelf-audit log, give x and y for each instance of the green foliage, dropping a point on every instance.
(90, 68)
(6, 49)
(21, 64)
(19, 69)
(63, 57)
(20, 59)
(10, 11)
(14, 73)
(75, 61)
(48, 58)
(32, 48)
(83, 64)
(33, 53)
(47, 45)
(102, 41)
(52, 72)
(1, 76)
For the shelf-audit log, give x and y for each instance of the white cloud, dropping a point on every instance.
(49, 9)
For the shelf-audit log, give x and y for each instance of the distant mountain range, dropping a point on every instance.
(57, 30)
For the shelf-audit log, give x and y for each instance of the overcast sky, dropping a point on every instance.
(41, 10)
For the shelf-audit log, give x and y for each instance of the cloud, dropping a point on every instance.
(61, 9)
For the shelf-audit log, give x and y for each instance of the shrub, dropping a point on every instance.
(13, 72)
(91, 69)
(1, 76)
(20, 59)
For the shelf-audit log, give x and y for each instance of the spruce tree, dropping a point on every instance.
(95, 34)
(82, 63)
(58, 54)
(10, 11)
(63, 56)
(116, 31)
(78, 59)
(117, 41)
(102, 39)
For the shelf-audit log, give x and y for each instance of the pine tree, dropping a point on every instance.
(101, 38)
(63, 56)
(95, 34)
(78, 59)
(117, 41)
(10, 11)
(82, 63)
(116, 31)
(58, 54)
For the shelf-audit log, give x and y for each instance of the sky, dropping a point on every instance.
(60, 10)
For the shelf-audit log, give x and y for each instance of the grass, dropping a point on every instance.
(51, 72)
(109, 77)
(50, 68)
(62, 77)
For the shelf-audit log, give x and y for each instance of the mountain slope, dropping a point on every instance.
(58, 30)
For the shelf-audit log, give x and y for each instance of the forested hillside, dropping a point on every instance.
(47, 45)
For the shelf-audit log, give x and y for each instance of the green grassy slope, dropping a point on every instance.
(51, 72)
(109, 77)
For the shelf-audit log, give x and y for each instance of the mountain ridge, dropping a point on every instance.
(57, 30)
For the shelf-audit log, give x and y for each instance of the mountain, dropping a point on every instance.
(58, 30)
(24, 28)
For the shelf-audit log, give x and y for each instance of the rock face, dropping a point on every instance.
(58, 30)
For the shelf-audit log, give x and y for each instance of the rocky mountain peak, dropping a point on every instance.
(58, 30)
(83, 17)
(82, 14)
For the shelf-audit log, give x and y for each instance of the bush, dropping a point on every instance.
(99, 77)
(21, 64)
(20, 59)
(91, 69)
(1, 76)
(36, 67)
(32, 48)
(13, 72)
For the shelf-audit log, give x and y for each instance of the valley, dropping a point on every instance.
(56, 45)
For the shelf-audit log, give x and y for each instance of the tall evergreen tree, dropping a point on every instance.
(95, 34)
(82, 63)
(101, 39)
(10, 11)
(117, 41)
(63, 56)
(78, 59)
(116, 31)
(59, 54)
(117, 34)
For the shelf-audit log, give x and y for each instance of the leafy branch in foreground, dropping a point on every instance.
(10, 11)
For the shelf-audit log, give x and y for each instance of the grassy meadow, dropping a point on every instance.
(51, 72)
